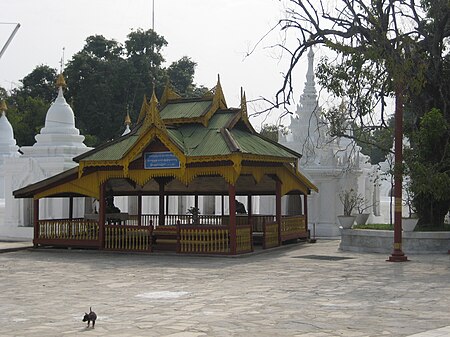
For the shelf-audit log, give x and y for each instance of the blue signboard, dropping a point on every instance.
(158, 160)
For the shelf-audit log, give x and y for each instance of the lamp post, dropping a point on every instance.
(397, 254)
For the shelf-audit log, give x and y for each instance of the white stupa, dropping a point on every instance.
(58, 142)
(59, 137)
(333, 164)
(8, 144)
(8, 147)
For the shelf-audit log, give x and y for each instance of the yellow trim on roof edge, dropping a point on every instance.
(89, 185)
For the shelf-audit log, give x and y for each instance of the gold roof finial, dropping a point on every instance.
(218, 97)
(153, 99)
(60, 81)
(243, 101)
(3, 106)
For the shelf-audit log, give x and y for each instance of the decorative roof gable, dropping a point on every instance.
(242, 115)
(152, 116)
(168, 95)
(175, 110)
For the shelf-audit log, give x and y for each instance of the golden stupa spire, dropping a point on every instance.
(127, 123)
(3, 106)
(60, 81)
(127, 119)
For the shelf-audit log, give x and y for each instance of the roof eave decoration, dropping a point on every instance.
(298, 175)
(168, 95)
(218, 102)
(86, 185)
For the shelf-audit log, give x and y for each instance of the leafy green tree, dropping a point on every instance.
(270, 131)
(27, 106)
(27, 117)
(428, 166)
(106, 80)
(182, 74)
(98, 47)
(99, 80)
(376, 144)
(39, 83)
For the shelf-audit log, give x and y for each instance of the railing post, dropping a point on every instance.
(139, 209)
(232, 221)
(101, 216)
(36, 221)
(250, 218)
(70, 224)
(264, 233)
(305, 210)
(161, 203)
(178, 236)
(278, 208)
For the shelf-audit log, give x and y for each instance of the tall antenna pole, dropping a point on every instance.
(153, 15)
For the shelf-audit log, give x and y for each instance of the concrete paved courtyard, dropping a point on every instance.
(299, 290)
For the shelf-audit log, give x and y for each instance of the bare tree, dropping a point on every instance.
(381, 49)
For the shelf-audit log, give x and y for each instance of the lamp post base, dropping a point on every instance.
(397, 256)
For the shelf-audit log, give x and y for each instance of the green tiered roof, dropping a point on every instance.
(202, 127)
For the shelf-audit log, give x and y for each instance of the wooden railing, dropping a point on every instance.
(68, 232)
(293, 227)
(204, 240)
(244, 239)
(128, 238)
(204, 219)
(270, 236)
(209, 236)
(258, 222)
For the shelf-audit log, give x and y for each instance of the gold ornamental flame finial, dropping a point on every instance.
(127, 119)
(3, 106)
(60, 81)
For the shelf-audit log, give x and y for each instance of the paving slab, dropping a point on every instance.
(300, 290)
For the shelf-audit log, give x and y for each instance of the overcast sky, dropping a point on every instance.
(215, 34)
